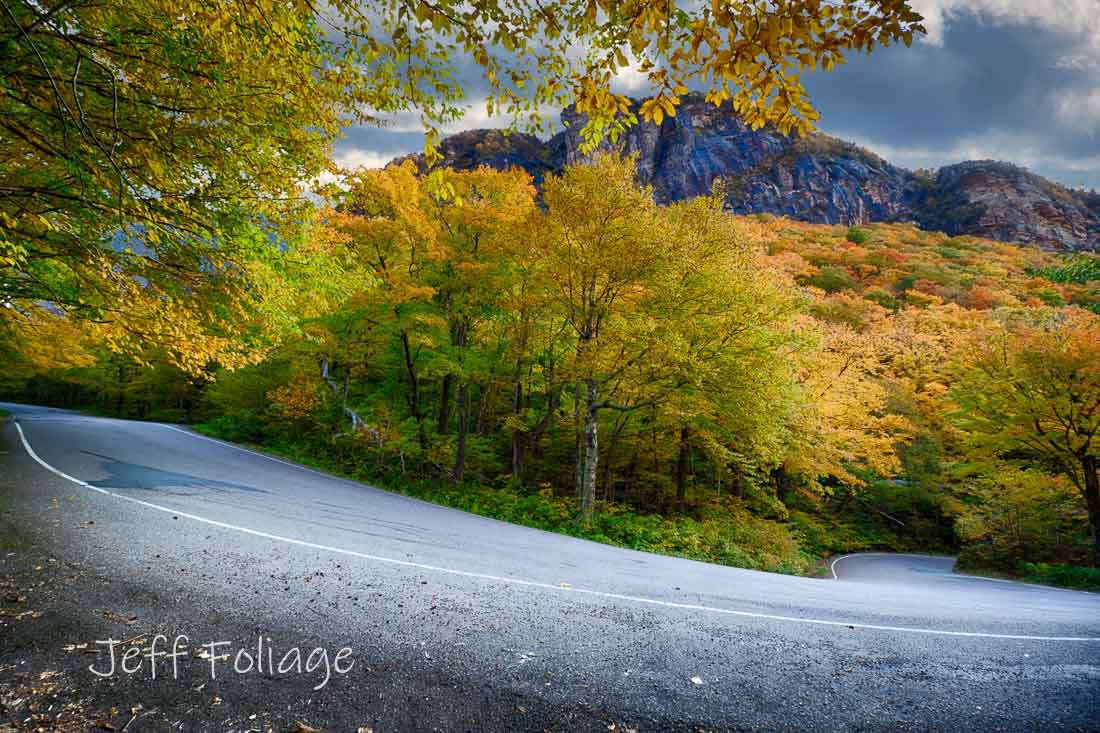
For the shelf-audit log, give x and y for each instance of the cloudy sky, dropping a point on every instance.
(1015, 80)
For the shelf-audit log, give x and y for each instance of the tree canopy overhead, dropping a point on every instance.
(167, 142)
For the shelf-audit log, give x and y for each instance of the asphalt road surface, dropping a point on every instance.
(458, 622)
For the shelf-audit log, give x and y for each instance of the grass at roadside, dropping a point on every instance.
(1065, 576)
(1053, 574)
(727, 535)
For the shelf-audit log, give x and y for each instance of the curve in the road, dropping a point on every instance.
(562, 588)
(835, 560)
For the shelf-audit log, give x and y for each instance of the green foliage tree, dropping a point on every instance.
(156, 151)
(1029, 393)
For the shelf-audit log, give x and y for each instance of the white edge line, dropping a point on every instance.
(534, 583)
(832, 565)
(953, 575)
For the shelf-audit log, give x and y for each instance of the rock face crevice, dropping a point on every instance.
(817, 178)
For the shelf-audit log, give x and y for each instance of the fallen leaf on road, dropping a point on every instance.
(300, 727)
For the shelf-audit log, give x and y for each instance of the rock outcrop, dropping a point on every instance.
(817, 178)
(1003, 201)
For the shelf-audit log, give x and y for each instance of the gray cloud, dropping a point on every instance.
(1015, 80)
(992, 90)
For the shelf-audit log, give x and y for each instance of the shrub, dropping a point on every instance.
(883, 298)
(1051, 297)
(858, 236)
(1069, 576)
(832, 279)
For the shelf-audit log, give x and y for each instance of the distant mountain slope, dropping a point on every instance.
(1005, 202)
(817, 179)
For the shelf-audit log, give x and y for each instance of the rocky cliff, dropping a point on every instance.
(817, 178)
(1002, 201)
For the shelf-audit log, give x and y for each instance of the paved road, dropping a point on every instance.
(460, 622)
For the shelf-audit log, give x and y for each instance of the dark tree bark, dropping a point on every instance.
(463, 430)
(524, 439)
(682, 468)
(782, 485)
(460, 333)
(445, 403)
(519, 447)
(413, 397)
(578, 463)
(1092, 501)
(591, 451)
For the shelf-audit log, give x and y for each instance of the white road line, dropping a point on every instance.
(953, 575)
(534, 583)
(832, 565)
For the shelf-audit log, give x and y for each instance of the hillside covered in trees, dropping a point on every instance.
(811, 177)
(744, 389)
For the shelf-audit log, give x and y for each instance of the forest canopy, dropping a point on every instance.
(749, 390)
(157, 153)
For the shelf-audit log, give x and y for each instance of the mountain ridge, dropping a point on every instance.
(817, 178)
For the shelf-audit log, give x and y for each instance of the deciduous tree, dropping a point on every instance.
(1029, 393)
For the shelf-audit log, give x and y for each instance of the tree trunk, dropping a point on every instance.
(341, 395)
(1092, 500)
(591, 453)
(445, 403)
(578, 453)
(518, 442)
(608, 462)
(682, 468)
(460, 334)
(524, 439)
(487, 402)
(779, 478)
(121, 390)
(463, 430)
(413, 398)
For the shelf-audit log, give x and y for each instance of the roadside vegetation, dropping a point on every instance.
(744, 390)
